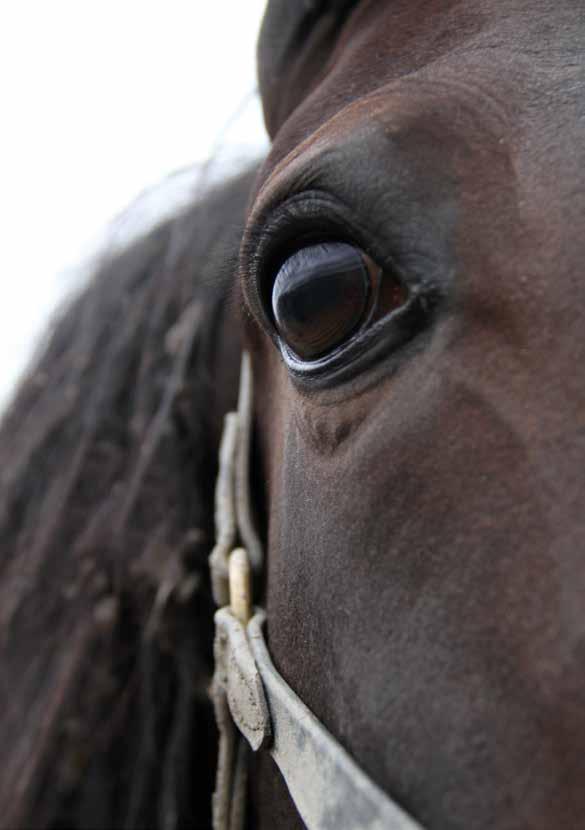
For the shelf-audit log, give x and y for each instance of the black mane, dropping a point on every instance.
(106, 520)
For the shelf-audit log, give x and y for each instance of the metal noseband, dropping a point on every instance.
(255, 709)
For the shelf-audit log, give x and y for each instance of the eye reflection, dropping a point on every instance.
(325, 293)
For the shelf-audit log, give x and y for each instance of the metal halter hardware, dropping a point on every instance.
(255, 708)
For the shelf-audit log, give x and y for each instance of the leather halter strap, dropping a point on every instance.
(255, 707)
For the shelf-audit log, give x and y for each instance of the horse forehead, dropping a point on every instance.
(396, 110)
(510, 50)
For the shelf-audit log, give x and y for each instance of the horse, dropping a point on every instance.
(404, 272)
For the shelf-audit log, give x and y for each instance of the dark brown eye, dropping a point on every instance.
(324, 293)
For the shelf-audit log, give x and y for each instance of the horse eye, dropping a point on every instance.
(324, 293)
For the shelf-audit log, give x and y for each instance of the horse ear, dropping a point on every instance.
(296, 41)
(107, 469)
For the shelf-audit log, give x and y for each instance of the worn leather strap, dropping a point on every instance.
(328, 788)
(254, 705)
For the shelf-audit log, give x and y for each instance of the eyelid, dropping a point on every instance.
(286, 226)
(304, 217)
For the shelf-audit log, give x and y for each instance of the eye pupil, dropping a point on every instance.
(320, 297)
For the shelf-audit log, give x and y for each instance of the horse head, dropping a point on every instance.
(409, 262)
(412, 272)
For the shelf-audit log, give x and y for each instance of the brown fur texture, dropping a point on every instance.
(425, 491)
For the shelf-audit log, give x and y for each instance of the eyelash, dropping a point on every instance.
(317, 216)
(304, 219)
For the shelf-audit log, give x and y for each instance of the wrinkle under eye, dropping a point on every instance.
(324, 293)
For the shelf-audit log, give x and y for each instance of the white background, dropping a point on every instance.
(100, 100)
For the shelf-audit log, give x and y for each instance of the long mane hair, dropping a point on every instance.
(107, 468)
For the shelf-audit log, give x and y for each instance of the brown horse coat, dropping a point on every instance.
(425, 501)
